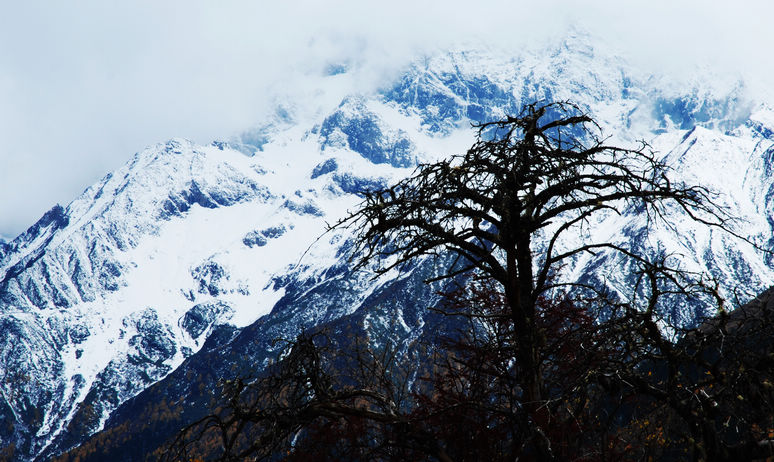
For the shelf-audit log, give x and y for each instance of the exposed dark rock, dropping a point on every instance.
(196, 320)
(328, 166)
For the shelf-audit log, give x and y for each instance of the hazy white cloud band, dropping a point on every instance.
(83, 85)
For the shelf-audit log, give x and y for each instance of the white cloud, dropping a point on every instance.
(85, 84)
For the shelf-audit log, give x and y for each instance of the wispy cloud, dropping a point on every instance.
(85, 84)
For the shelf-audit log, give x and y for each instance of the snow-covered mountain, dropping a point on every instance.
(112, 293)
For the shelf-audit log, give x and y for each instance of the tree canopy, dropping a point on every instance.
(547, 170)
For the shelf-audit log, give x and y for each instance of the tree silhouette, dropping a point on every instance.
(544, 172)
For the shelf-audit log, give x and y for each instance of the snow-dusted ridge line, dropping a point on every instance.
(130, 278)
(172, 224)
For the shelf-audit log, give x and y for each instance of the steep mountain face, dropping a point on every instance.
(190, 260)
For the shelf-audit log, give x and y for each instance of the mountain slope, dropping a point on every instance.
(147, 268)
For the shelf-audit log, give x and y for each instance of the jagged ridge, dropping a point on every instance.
(107, 296)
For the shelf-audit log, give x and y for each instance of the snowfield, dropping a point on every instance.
(102, 298)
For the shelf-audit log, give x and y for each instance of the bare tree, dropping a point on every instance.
(312, 394)
(546, 171)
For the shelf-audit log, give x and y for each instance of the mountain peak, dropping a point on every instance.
(118, 288)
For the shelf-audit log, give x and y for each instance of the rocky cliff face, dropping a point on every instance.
(200, 255)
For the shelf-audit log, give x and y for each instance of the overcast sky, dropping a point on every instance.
(84, 85)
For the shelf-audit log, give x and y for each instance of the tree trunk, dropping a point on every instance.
(520, 298)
